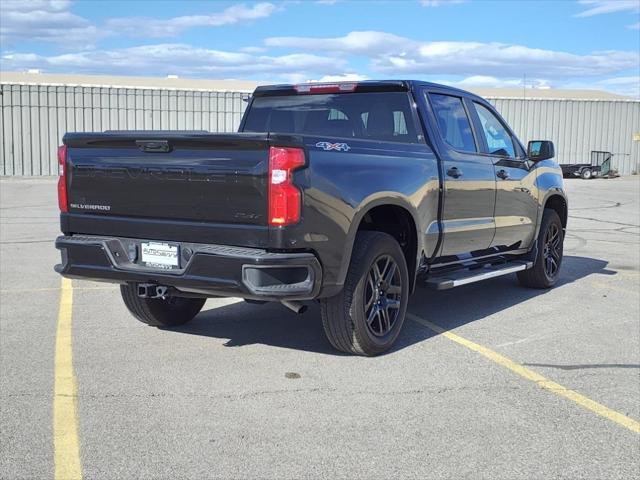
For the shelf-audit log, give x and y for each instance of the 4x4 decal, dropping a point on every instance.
(340, 147)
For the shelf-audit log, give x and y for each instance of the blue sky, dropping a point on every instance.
(555, 43)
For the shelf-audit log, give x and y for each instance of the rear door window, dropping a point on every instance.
(384, 116)
(453, 122)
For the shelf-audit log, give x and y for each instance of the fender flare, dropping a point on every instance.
(365, 207)
(553, 192)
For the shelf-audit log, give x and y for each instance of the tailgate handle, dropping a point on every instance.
(153, 145)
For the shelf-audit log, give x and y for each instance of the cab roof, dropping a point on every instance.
(353, 87)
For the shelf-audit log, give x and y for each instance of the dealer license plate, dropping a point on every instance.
(159, 255)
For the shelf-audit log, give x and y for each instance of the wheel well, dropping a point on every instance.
(558, 203)
(397, 222)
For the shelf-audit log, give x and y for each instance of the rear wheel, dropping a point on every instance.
(586, 174)
(366, 317)
(546, 266)
(160, 312)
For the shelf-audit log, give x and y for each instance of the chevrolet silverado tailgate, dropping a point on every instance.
(171, 185)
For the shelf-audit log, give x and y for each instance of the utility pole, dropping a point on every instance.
(525, 107)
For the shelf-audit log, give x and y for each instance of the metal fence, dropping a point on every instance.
(34, 118)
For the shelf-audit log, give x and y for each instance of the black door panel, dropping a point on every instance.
(516, 204)
(469, 178)
(516, 207)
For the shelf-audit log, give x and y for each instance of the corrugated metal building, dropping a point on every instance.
(578, 127)
(36, 110)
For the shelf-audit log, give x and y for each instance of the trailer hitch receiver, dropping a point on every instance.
(151, 290)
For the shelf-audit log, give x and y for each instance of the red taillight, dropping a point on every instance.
(325, 87)
(62, 180)
(284, 197)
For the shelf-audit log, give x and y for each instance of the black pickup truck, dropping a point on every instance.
(348, 193)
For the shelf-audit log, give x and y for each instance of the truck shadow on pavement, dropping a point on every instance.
(272, 324)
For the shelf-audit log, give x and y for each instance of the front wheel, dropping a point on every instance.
(546, 266)
(160, 312)
(366, 317)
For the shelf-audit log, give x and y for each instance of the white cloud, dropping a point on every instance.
(51, 21)
(487, 81)
(623, 85)
(164, 59)
(395, 55)
(304, 78)
(439, 3)
(45, 21)
(155, 28)
(344, 77)
(627, 85)
(599, 7)
(635, 26)
(359, 43)
(252, 49)
(30, 5)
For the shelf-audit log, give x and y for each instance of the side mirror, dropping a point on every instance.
(538, 150)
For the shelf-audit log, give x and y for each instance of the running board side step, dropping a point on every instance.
(456, 278)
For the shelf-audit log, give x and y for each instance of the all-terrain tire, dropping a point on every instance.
(160, 312)
(541, 276)
(345, 317)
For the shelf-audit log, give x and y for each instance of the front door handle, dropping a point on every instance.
(503, 174)
(454, 172)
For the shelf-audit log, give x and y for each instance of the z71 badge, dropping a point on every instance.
(340, 147)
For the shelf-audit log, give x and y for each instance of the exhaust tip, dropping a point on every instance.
(295, 307)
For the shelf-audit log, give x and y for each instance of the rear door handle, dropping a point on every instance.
(454, 172)
(503, 174)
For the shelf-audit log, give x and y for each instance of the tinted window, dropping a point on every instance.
(453, 122)
(399, 122)
(376, 116)
(498, 138)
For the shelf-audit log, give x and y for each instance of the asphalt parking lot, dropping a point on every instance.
(248, 391)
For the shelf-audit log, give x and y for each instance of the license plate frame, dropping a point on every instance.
(160, 255)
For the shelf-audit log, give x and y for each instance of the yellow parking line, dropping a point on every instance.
(65, 400)
(52, 289)
(538, 379)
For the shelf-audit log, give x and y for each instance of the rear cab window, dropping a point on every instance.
(382, 116)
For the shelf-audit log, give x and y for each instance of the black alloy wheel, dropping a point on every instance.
(548, 250)
(366, 317)
(383, 295)
(551, 250)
